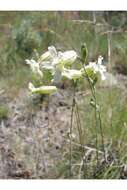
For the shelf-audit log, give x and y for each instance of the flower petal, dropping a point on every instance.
(72, 73)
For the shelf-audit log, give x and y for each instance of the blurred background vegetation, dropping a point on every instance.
(23, 33)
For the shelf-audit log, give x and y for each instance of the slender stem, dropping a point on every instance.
(80, 138)
(78, 123)
(94, 96)
(71, 128)
(47, 115)
(100, 125)
(80, 169)
(102, 135)
(80, 133)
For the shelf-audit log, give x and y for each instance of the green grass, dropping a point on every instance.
(3, 112)
(114, 123)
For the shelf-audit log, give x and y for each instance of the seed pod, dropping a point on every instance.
(84, 53)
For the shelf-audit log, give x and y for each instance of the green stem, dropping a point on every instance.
(71, 128)
(80, 137)
(102, 136)
(94, 96)
(96, 124)
(100, 124)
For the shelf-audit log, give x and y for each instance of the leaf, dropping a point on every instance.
(94, 105)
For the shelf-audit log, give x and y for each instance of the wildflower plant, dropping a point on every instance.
(60, 65)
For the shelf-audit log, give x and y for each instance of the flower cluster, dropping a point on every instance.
(57, 62)
(60, 65)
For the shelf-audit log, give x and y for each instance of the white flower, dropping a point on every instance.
(67, 57)
(48, 55)
(42, 89)
(45, 57)
(31, 86)
(46, 60)
(34, 67)
(101, 68)
(53, 59)
(92, 65)
(100, 59)
(97, 68)
(47, 65)
(72, 74)
(52, 51)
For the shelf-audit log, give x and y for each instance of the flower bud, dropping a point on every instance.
(42, 89)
